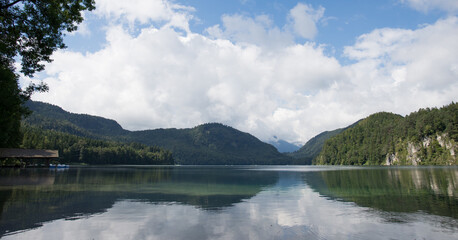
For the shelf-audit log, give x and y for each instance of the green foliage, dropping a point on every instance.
(10, 109)
(369, 142)
(32, 29)
(75, 149)
(426, 122)
(51, 117)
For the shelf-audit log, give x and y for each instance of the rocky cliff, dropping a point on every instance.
(440, 146)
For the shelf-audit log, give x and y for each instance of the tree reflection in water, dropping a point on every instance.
(230, 203)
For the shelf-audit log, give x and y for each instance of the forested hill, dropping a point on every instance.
(205, 144)
(51, 117)
(212, 143)
(426, 137)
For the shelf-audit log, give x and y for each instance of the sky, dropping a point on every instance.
(290, 69)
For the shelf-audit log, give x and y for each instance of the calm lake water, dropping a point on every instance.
(274, 202)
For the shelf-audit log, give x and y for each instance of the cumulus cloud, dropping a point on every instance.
(303, 19)
(246, 30)
(428, 5)
(251, 75)
(145, 11)
(414, 67)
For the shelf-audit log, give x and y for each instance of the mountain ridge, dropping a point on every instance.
(210, 143)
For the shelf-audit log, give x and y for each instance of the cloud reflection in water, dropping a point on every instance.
(291, 209)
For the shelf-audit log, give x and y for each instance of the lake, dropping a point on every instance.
(229, 202)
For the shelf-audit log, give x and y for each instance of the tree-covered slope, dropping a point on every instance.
(82, 138)
(428, 136)
(51, 117)
(212, 143)
(77, 149)
(313, 147)
(205, 144)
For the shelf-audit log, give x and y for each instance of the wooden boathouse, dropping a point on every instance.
(29, 154)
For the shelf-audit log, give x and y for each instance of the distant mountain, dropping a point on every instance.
(313, 147)
(426, 137)
(283, 146)
(211, 143)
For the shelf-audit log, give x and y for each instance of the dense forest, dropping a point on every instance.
(51, 117)
(77, 149)
(426, 137)
(206, 144)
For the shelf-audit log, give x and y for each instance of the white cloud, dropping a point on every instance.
(411, 68)
(144, 11)
(251, 75)
(245, 30)
(428, 5)
(303, 19)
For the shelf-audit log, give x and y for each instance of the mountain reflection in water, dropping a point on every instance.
(41, 195)
(229, 203)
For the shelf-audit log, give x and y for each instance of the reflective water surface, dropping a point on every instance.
(186, 202)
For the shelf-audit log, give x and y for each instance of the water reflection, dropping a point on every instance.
(15, 177)
(30, 197)
(431, 190)
(232, 203)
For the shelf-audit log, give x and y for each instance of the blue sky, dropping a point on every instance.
(290, 69)
(342, 22)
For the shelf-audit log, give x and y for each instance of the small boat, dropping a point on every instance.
(58, 166)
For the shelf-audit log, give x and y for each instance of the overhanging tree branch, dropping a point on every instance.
(11, 4)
